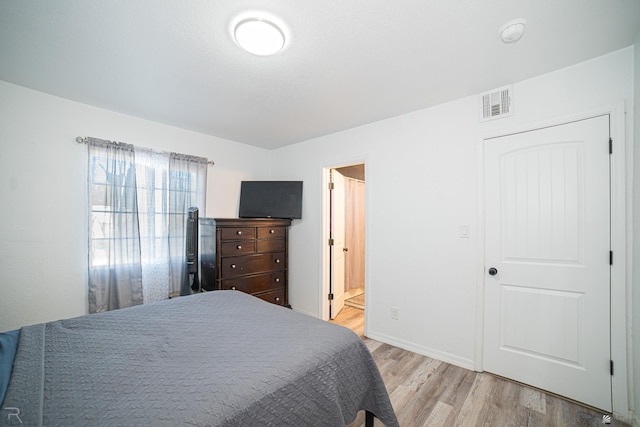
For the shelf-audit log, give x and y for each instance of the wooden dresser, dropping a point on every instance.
(251, 256)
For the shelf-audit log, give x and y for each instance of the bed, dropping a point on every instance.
(220, 358)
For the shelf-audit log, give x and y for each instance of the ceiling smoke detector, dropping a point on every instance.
(513, 30)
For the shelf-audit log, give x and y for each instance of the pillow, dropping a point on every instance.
(8, 346)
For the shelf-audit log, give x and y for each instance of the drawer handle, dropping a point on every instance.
(233, 266)
(239, 232)
(272, 231)
(239, 247)
(277, 261)
(233, 288)
(277, 280)
(277, 299)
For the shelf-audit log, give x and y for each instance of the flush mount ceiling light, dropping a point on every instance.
(259, 36)
(513, 30)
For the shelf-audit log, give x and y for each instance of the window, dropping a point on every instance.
(139, 201)
(108, 209)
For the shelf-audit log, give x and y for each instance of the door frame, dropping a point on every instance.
(620, 278)
(325, 282)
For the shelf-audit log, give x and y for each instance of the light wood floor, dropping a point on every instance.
(428, 392)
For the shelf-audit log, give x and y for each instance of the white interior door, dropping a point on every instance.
(547, 236)
(337, 249)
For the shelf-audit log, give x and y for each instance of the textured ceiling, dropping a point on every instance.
(347, 63)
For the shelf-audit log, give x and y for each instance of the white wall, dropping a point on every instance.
(43, 220)
(635, 317)
(421, 175)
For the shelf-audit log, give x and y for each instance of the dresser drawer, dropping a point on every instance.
(250, 264)
(271, 245)
(275, 297)
(266, 232)
(238, 247)
(255, 284)
(235, 233)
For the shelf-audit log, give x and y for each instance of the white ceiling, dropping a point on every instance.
(347, 63)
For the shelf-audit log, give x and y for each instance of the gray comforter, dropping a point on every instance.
(220, 358)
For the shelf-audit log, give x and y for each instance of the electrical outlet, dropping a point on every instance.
(395, 313)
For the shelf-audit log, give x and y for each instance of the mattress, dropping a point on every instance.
(220, 358)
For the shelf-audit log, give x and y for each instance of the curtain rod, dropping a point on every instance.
(84, 140)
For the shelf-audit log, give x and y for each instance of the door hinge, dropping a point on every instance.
(611, 366)
(331, 186)
(331, 242)
(610, 146)
(610, 257)
(330, 297)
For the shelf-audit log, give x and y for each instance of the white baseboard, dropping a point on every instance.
(425, 351)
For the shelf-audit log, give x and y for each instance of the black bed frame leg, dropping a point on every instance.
(368, 419)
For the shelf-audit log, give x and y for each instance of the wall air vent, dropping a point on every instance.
(496, 103)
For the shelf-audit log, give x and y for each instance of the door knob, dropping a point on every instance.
(493, 271)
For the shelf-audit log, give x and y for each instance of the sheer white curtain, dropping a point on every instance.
(115, 273)
(160, 188)
(187, 188)
(168, 185)
(152, 170)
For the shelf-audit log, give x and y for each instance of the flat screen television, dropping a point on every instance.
(271, 199)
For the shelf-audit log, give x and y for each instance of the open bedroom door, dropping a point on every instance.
(336, 243)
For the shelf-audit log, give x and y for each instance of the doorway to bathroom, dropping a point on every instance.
(346, 238)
